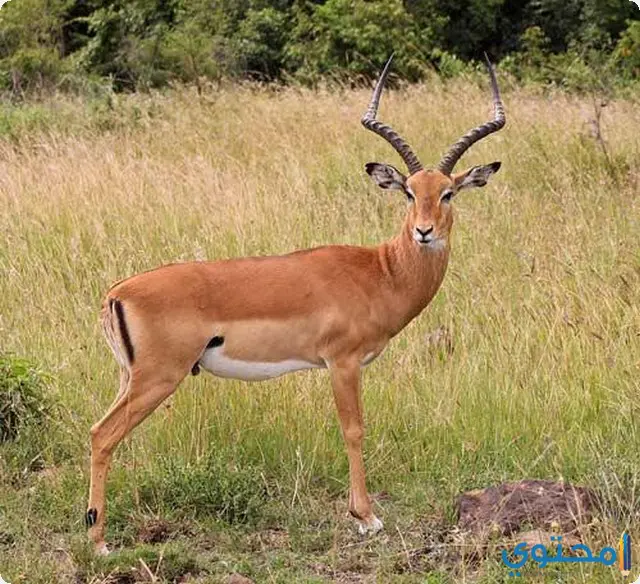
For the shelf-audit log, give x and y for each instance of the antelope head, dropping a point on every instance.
(430, 191)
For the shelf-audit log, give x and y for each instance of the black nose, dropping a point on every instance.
(423, 231)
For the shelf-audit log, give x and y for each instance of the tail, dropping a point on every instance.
(116, 331)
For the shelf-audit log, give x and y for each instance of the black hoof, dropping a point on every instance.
(91, 517)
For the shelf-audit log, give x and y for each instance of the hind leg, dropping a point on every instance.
(142, 393)
(99, 470)
(124, 383)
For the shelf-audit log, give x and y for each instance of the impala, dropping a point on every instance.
(333, 307)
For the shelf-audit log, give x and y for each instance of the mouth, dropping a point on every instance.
(429, 242)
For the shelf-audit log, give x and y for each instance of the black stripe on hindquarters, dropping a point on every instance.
(212, 344)
(124, 330)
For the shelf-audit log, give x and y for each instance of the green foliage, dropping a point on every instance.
(186, 54)
(557, 20)
(22, 396)
(259, 42)
(472, 27)
(208, 487)
(355, 37)
(583, 67)
(627, 53)
(531, 60)
(140, 44)
(31, 44)
(124, 39)
(602, 21)
(449, 65)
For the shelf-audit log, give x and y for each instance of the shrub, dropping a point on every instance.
(205, 488)
(22, 396)
(345, 38)
(142, 44)
(30, 45)
(627, 52)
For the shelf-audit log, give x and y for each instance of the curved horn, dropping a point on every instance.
(369, 121)
(461, 146)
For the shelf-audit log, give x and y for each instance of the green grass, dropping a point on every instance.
(541, 302)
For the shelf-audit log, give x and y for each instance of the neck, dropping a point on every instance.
(414, 275)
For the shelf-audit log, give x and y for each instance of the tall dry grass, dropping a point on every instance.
(541, 303)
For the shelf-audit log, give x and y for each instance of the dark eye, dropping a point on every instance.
(446, 198)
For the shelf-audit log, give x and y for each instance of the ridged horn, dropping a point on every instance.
(445, 166)
(387, 132)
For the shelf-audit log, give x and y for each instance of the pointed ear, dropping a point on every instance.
(476, 176)
(387, 176)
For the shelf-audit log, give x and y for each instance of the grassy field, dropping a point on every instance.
(538, 376)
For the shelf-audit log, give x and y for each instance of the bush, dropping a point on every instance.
(140, 44)
(22, 396)
(350, 38)
(206, 488)
(259, 42)
(30, 45)
(627, 53)
(582, 68)
(188, 54)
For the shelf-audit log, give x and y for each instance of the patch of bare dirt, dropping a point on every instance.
(160, 531)
(529, 510)
(511, 507)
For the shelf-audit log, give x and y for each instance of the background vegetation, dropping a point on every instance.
(137, 44)
(525, 365)
(138, 133)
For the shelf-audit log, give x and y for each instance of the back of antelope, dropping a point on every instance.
(333, 307)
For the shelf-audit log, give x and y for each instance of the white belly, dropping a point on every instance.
(217, 363)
